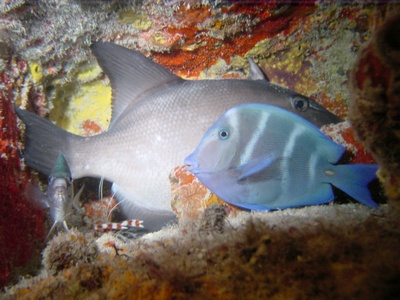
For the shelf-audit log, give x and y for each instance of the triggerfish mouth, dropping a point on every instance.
(157, 120)
(262, 157)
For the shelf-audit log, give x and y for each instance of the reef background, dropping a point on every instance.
(316, 48)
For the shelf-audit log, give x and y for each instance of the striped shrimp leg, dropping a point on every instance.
(114, 226)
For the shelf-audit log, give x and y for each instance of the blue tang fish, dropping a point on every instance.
(261, 157)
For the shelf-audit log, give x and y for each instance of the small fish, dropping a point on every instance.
(60, 193)
(157, 120)
(261, 157)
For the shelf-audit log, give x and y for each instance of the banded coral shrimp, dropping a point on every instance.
(99, 215)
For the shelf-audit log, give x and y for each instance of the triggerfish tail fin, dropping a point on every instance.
(44, 141)
(354, 179)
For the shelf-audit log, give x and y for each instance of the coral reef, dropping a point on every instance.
(343, 134)
(21, 224)
(375, 110)
(332, 251)
(328, 252)
(189, 197)
(67, 250)
(99, 211)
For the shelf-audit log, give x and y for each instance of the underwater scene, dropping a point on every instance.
(199, 149)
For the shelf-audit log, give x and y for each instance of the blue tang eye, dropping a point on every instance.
(300, 103)
(223, 134)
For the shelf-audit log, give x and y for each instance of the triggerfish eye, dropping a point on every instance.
(300, 103)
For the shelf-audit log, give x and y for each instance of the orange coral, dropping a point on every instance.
(90, 127)
(190, 197)
(236, 36)
(99, 211)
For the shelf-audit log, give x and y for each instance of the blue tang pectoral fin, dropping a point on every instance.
(255, 166)
(354, 180)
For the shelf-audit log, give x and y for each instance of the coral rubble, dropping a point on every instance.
(327, 252)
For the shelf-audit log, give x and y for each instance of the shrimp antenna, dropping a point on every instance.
(114, 207)
(51, 230)
(101, 185)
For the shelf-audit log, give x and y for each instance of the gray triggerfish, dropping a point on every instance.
(157, 120)
(261, 157)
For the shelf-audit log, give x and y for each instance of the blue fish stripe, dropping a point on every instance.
(255, 138)
(313, 166)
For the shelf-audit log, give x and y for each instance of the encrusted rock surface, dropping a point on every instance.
(375, 109)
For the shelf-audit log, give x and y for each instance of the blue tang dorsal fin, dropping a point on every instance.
(131, 74)
(255, 71)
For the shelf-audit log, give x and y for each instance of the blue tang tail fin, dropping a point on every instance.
(354, 179)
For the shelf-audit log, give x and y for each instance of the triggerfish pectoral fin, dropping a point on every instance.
(354, 179)
(255, 166)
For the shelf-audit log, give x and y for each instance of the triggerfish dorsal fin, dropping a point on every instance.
(255, 71)
(353, 180)
(131, 74)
